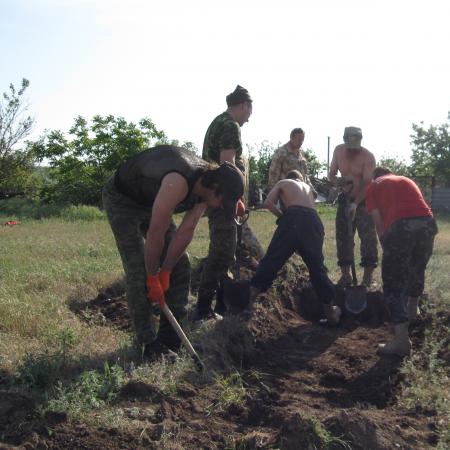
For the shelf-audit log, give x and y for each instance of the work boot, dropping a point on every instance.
(158, 351)
(368, 276)
(203, 315)
(332, 313)
(346, 278)
(400, 345)
(413, 309)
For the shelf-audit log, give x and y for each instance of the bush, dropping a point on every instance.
(28, 208)
(81, 212)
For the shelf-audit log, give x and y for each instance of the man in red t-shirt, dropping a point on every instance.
(406, 229)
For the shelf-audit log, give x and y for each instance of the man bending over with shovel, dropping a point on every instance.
(140, 200)
(299, 229)
(406, 228)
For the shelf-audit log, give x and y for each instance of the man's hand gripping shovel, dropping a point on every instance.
(158, 285)
(355, 296)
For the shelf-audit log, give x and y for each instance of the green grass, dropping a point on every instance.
(46, 264)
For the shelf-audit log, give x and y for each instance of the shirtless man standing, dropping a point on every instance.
(299, 229)
(356, 165)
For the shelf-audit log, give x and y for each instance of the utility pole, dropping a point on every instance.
(328, 157)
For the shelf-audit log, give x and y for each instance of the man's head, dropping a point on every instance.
(380, 171)
(352, 138)
(296, 138)
(295, 175)
(240, 105)
(227, 183)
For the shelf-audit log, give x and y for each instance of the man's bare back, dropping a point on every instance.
(355, 165)
(290, 193)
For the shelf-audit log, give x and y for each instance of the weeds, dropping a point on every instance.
(93, 389)
(43, 370)
(231, 393)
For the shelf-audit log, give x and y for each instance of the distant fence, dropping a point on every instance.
(440, 199)
(437, 197)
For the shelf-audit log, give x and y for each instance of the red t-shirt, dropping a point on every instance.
(396, 197)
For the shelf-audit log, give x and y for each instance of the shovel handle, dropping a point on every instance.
(350, 236)
(184, 339)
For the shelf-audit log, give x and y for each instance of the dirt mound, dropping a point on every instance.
(304, 385)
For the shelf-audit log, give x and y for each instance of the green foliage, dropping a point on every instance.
(398, 166)
(93, 389)
(28, 208)
(315, 167)
(43, 370)
(73, 213)
(32, 208)
(431, 151)
(259, 163)
(81, 163)
(16, 165)
(231, 393)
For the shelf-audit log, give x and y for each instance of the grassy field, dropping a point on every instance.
(47, 264)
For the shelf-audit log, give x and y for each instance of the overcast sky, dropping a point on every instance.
(320, 65)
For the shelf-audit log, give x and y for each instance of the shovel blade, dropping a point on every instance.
(355, 299)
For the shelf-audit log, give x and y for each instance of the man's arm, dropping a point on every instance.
(378, 220)
(274, 170)
(272, 199)
(173, 190)
(228, 155)
(366, 179)
(183, 236)
(332, 175)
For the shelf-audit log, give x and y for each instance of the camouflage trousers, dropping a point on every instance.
(221, 252)
(407, 248)
(345, 242)
(129, 222)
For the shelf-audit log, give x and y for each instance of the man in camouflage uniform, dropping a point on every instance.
(356, 165)
(406, 228)
(289, 157)
(140, 200)
(223, 143)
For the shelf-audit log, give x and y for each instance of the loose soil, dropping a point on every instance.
(299, 376)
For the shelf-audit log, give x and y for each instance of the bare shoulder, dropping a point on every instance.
(339, 149)
(369, 156)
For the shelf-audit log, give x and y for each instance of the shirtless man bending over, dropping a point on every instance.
(356, 165)
(299, 229)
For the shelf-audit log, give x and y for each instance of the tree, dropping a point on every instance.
(81, 164)
(315, 167)
(431, 152)
(15, 125)
(398, 166)
(259, 164)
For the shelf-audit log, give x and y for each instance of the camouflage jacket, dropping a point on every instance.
(223, 134)
(284, 160)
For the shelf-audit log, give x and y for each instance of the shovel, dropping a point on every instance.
(355, 296)
(184, 339)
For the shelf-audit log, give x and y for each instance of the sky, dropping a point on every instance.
(320, 65)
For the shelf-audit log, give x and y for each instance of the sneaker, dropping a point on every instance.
(157, 351)
(202, 316)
